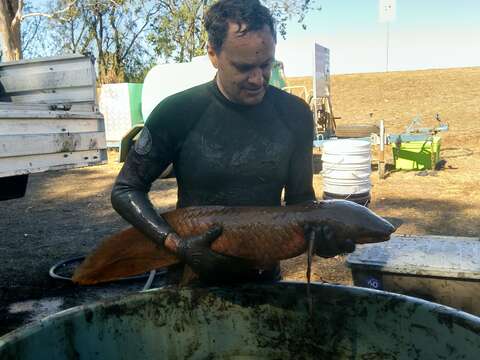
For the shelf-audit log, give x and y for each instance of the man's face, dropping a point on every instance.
(244, 64)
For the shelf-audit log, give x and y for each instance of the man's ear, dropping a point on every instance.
(212, 54)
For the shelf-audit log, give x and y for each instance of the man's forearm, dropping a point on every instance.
(144, 164)
(135, 207)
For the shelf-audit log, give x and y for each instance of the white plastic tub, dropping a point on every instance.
(346, 167)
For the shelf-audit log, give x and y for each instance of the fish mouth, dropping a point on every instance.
(373, 239)
(384, 238)
(376, 236)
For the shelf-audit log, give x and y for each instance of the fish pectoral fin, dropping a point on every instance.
(188, 276)
(126, 253)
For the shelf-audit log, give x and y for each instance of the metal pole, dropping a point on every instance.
(381, 153)
(388, 40)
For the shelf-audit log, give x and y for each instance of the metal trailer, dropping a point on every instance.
(318, 97)
(320, 102)
(49, 119)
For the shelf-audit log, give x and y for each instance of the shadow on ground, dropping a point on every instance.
(63, 215)
(67, 213)
(439, 217)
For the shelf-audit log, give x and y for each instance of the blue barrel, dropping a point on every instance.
(261, 322)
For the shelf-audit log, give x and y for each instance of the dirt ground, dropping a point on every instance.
(66, 213)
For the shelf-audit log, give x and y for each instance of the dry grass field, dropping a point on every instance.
(66, 213)
(445, 202)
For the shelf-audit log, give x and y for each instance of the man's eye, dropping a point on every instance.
(244, 68)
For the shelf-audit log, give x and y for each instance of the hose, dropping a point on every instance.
(150, 276)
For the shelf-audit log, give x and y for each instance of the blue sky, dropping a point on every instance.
(425, 34)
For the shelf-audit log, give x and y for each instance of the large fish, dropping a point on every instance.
(263, 235)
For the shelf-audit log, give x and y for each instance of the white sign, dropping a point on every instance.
(321, 75)
(386, 10)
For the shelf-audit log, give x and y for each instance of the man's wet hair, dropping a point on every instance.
(250, 15)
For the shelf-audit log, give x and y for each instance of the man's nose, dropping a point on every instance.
(256, 77)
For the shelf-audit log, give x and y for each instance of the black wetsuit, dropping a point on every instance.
(223, 153)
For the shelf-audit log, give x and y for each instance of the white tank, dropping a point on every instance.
(346, 167)
(167, 79)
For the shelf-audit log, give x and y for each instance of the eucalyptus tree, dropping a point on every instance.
(178, 33)
(113, 31)
(13, 15)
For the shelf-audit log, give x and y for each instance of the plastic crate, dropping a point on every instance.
(418, 154)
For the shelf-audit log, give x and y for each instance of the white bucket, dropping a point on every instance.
(346, 167)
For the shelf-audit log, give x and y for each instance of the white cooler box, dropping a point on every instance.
(442, 269)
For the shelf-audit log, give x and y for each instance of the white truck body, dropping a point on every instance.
(49, 118)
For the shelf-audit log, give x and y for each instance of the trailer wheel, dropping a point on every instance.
(13, 187)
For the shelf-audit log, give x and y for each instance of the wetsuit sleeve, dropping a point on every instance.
(157, 148)
(146, 161)
(299, 187)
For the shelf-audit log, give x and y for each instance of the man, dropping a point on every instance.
(234, 141)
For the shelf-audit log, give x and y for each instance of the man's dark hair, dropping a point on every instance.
(250, 13)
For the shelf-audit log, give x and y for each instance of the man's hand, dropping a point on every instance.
(326, 243)
(206, 263)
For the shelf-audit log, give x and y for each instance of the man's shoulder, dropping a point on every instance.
(187, 102)
(293, 110)
(287, 100)
(195, 92)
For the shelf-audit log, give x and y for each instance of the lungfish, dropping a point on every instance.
(263, 235)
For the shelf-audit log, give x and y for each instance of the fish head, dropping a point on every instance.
(354, 222)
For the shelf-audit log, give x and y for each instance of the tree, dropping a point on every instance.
(10, 20)
(125, 36)
(284, 10)
(112, 30)
(69, 31)
(178, 31)
(11, 17)
(33, 33)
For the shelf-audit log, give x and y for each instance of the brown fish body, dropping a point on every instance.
(264, 235)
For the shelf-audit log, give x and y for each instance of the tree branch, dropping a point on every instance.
(27, 42)
(68, 7)
(135, 36)
(166, 5)
(18, 15)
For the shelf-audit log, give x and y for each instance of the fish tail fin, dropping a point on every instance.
(188, 276)
(126, 253)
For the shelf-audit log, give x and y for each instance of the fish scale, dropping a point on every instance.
(263, 235)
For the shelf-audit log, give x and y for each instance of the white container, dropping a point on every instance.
(168, 79)
(443, 269)
(116, 106)
(346, 167)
